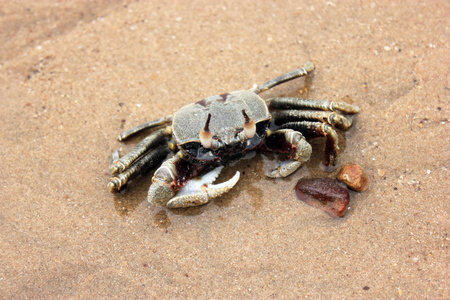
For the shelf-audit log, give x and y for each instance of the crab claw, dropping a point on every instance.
(159, 193)
(200, 190)
(284, 169)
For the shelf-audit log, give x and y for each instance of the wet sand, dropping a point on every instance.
(73, 75)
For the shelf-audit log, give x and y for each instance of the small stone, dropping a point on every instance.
(326, 194)
(353, 176)
(381, 172)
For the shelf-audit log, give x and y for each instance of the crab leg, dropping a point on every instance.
(156, 138)
(332, 118)
(177, 172)
(147, 161)
(307, 68)
(317, 129)
(287, 140)
(298, 103)
(155, 123)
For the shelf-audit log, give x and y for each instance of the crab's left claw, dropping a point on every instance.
(284, 169)
(200, 190)
(288, 138)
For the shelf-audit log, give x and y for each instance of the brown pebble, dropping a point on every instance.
(326, 194)
(353, 176)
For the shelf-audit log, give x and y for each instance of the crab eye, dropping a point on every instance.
(249, 126)
(205, 134)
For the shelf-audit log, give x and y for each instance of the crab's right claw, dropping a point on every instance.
(159, 193)
(199, 191)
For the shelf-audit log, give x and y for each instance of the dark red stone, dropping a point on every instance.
(326, 194)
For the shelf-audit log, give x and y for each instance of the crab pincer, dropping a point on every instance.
(200, 190)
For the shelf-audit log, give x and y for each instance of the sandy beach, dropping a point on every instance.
(75, 74)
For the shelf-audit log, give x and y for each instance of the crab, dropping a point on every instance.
(209, 134)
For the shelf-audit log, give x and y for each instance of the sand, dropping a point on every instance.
(75, 74)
